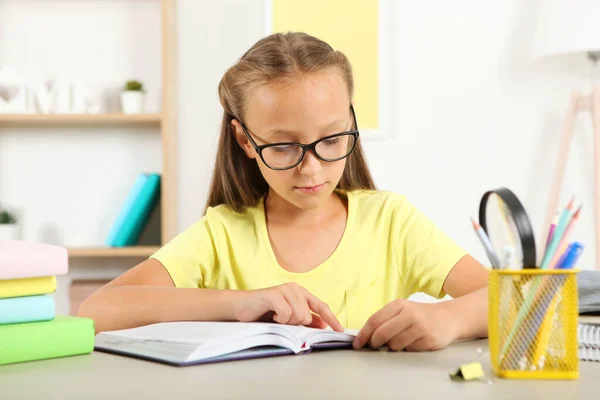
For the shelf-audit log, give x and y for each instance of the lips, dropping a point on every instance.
(311, 189)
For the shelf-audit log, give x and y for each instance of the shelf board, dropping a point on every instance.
(80, 119)
(106, 252)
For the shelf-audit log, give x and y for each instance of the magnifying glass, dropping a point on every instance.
(504, 219)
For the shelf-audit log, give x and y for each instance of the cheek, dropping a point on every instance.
(337, 168)
(275, 179)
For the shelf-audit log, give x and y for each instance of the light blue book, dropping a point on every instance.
(126, 209)
(139, 213)
(16, 310)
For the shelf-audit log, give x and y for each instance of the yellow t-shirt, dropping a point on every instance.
(389, 250)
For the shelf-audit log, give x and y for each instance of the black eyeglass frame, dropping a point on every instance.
(305, 147)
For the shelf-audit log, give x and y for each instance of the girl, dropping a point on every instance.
(294, 231)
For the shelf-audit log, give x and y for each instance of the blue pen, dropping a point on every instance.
(568, 260)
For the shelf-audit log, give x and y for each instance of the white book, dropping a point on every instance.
(187, 343)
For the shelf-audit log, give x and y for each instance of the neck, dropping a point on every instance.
(281, 211)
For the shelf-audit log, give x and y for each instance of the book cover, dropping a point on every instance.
(126, 209)
(18, 310)
(61, 337)
(134, 222)
(27, 286)
(21, 259)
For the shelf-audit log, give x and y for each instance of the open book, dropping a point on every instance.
(187, 343)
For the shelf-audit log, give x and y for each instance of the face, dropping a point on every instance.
(303, 110)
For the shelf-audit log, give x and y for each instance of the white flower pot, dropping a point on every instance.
(10, 232)
(132, 101)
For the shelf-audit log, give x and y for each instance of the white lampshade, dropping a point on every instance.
(567, 26)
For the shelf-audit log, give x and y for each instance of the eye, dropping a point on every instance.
(332, 141)
(281, 149)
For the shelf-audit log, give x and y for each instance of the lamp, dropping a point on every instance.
(571, 29)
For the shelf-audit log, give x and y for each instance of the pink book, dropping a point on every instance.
(20, 259)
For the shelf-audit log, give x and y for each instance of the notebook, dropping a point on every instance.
(63, 336)
(20, 259)
(18, 310)
(27, 286)
(189, 343)
(588, 336)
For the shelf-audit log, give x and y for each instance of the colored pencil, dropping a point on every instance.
(558, 233)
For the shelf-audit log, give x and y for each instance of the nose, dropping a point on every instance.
(310, 165)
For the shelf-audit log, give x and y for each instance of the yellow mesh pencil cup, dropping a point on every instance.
(532, 326)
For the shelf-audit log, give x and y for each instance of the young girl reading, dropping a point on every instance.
(294, 231)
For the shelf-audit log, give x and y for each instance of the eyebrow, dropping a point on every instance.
(284, 132)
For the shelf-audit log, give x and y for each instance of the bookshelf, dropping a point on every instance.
(80, 119)
(104, 252)
(163, 122)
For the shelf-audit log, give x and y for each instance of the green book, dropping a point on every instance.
(61, 337)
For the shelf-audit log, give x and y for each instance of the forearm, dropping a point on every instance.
(470, 313)
(122, 307)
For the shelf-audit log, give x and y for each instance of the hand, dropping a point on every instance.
(407, 325)
(286, 304)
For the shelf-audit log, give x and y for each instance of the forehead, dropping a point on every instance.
(303, 103)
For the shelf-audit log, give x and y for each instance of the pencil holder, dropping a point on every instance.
(532, 326)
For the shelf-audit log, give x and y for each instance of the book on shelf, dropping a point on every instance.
(188, 343)
(135, 212)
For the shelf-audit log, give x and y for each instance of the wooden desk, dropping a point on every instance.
(342, 374)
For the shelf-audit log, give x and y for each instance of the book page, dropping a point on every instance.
(199, 333)
(313, 335)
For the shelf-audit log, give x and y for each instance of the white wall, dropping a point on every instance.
(472, 112)
(107, 42)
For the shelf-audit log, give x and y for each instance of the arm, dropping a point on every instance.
(404, 324)
(467, 284)
(146, 295)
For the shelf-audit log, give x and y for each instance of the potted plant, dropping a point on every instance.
(9, 229)
(132, 97)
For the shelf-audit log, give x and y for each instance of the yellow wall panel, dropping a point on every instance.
(350, 26)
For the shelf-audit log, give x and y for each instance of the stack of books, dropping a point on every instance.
(29, 328)
(135, 212)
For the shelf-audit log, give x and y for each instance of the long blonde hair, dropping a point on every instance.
(237, 180)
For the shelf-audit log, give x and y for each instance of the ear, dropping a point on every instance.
(241, 138)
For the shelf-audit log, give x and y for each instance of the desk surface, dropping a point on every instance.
(339, 374)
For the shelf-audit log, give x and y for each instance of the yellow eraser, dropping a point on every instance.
(469, 371)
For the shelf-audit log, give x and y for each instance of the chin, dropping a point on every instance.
(309, 201)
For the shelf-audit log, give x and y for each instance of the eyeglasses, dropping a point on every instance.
(287, 155)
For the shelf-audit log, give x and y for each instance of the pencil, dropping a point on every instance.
(487, 245)
(557, 235)
(551, 231)
(565, 238)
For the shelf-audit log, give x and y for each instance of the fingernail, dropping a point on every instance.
(355, 343)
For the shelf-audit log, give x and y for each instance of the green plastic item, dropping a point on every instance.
(60, 337)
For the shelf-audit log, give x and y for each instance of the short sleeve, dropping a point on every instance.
(425, 254)
(191, 256)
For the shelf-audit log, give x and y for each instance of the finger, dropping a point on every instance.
(406, 338)
(422, 344)
(390, 328)
(281, 308)
(317, 322)
(300, 312)
(380, 317)
(323, 310)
